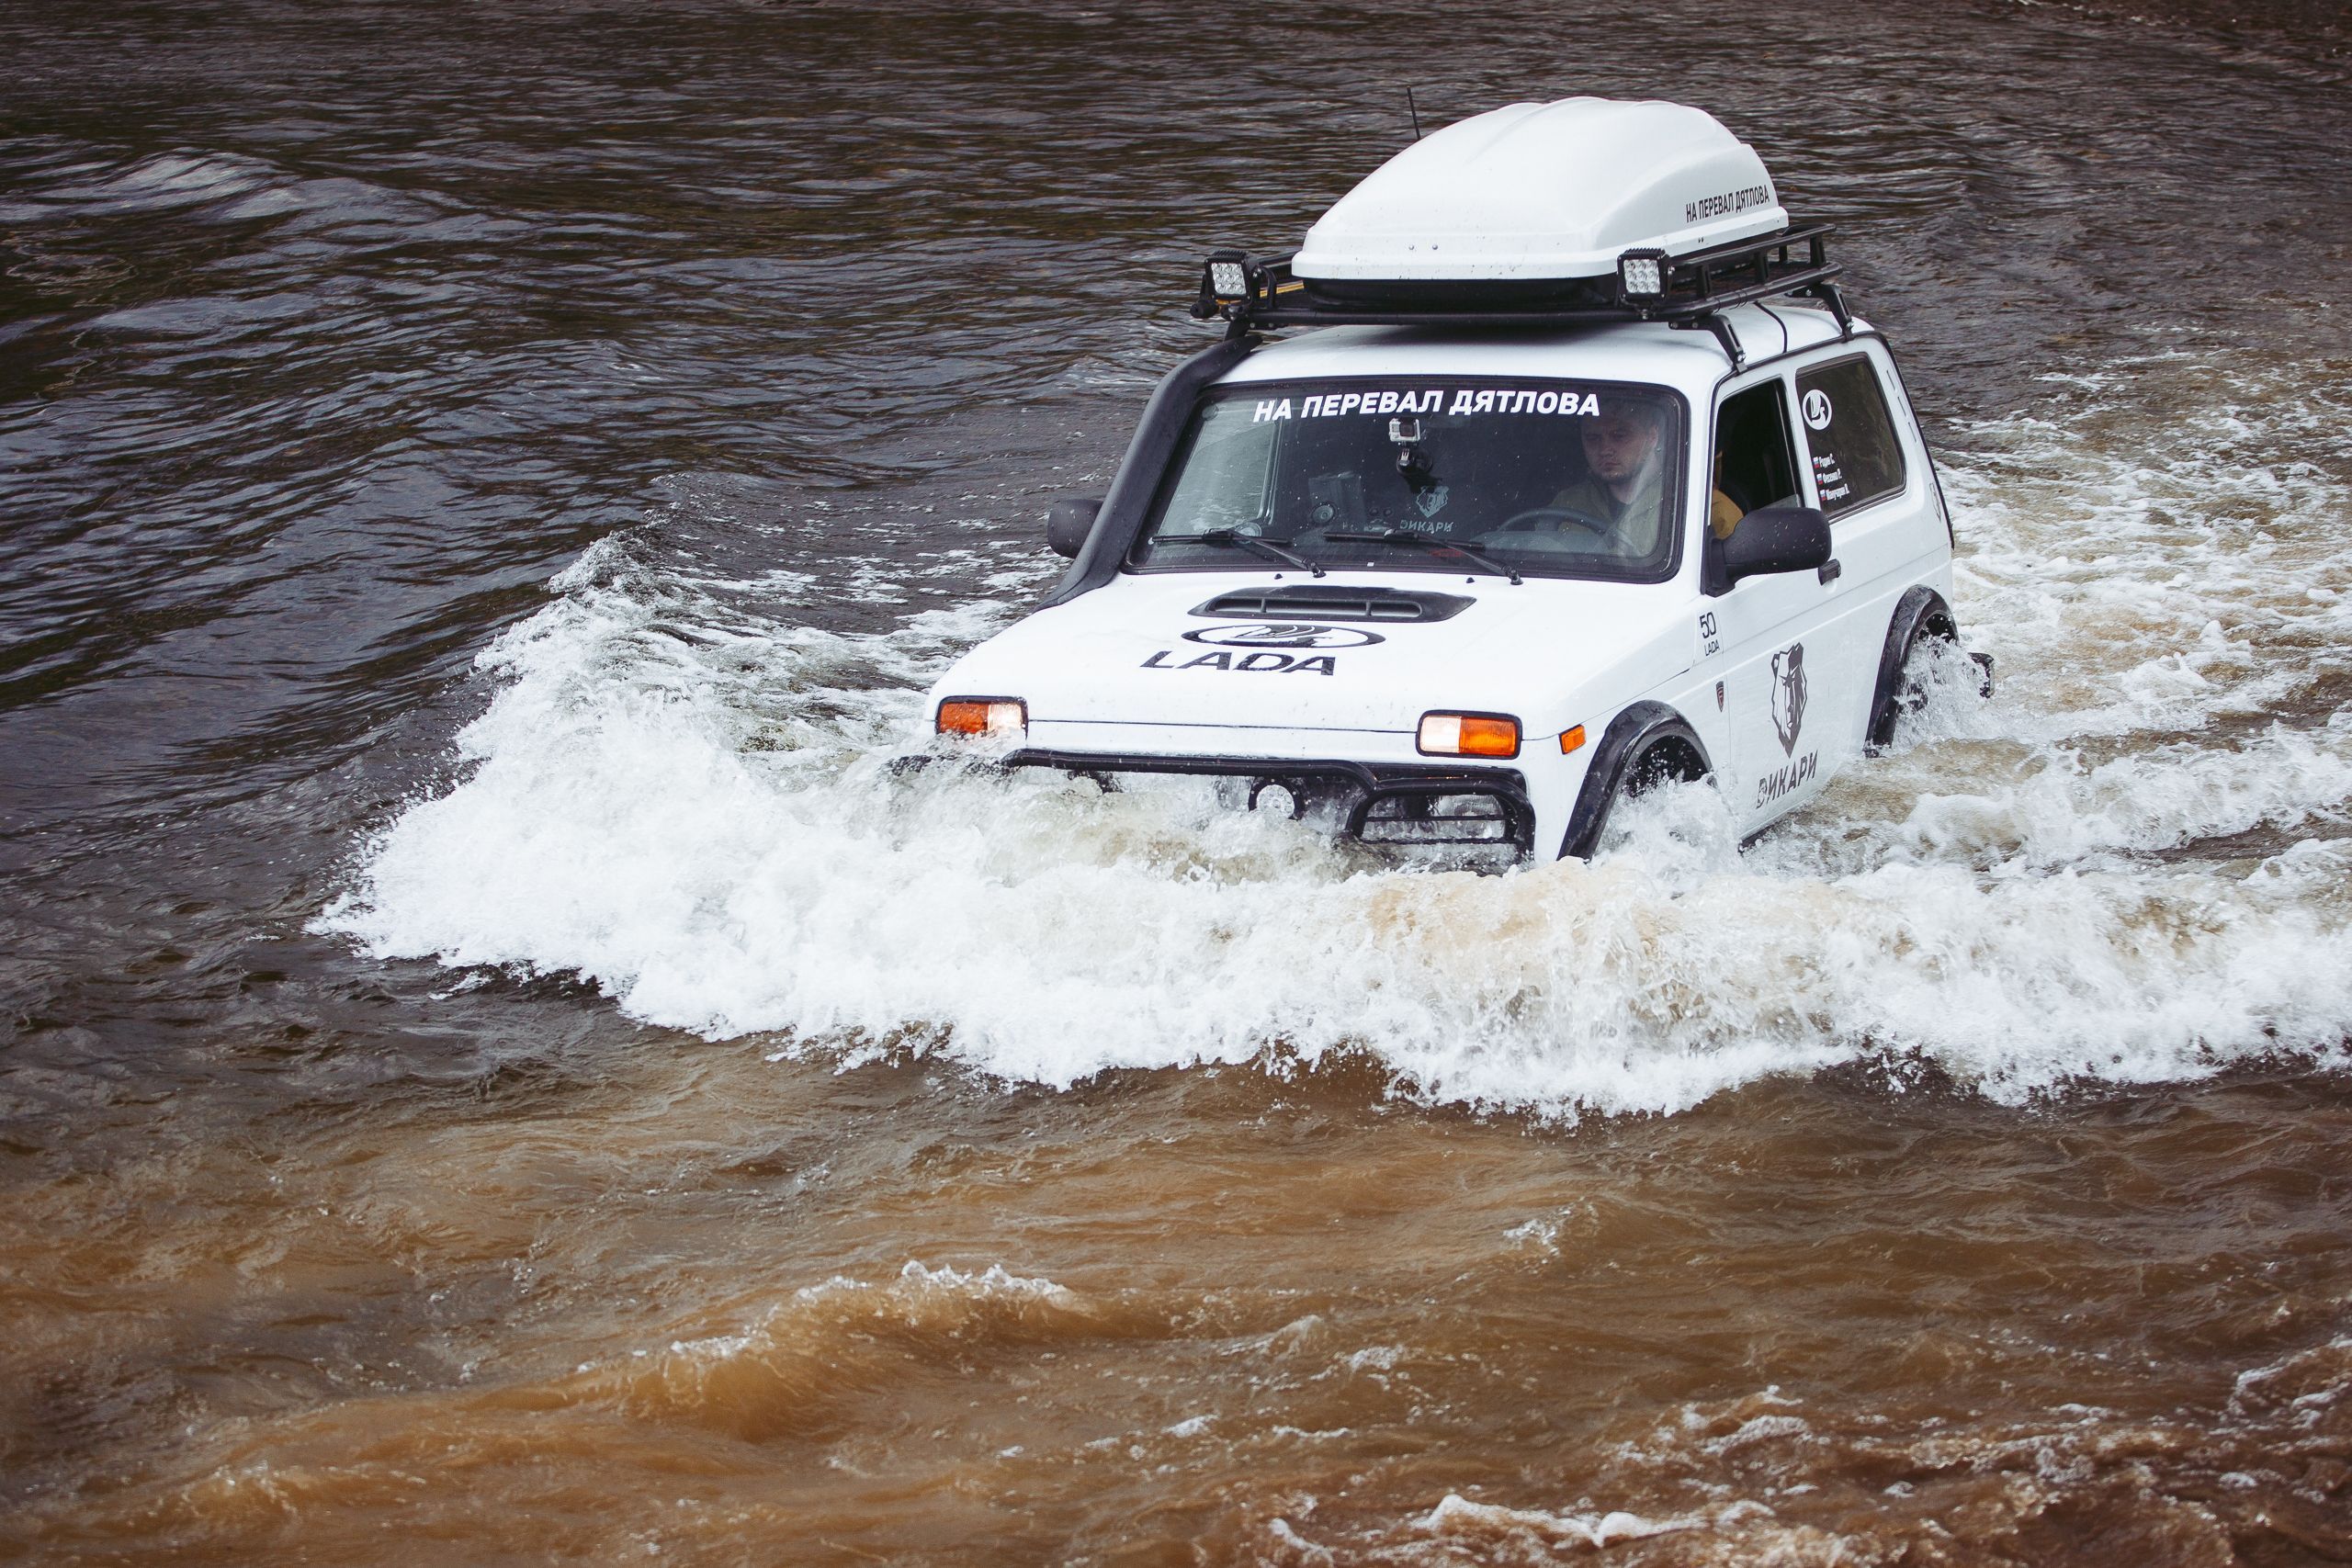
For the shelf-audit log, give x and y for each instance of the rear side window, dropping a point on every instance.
(1849, 434)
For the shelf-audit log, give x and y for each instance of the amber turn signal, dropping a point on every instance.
(1468, 735)
(1001, 717)
(1571, 739)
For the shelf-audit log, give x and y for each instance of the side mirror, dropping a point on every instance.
(1778, 538)
(1069, 521)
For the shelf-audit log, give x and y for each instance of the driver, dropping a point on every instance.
(1624, 471)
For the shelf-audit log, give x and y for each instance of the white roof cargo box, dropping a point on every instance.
(1540, 191)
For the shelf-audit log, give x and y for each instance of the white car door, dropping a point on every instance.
(1778, 671)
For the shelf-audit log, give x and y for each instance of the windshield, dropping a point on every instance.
(1561, 479)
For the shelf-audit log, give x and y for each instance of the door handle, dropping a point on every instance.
(1831, 572)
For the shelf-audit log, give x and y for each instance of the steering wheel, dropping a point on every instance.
(1535, 517)
(1537, 529)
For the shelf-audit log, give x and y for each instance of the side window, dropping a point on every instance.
(1857, 457)
(1753, 467)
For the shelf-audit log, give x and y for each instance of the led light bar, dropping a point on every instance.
(997, 719)
(1468, 735)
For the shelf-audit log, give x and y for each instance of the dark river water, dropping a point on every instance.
(495, 1068)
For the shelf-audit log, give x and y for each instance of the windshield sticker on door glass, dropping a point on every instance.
(1831, 479)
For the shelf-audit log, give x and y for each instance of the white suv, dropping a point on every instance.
(1566, 498)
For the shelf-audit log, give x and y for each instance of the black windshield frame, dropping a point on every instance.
(1140, 557)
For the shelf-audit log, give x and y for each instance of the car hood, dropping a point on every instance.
(1136, 651)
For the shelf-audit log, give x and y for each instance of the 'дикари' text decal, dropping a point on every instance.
(1782, 780)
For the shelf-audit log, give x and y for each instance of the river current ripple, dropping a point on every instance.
(488, 1057)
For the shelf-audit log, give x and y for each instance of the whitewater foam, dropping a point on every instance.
(1457, 1516)
(2130, 866)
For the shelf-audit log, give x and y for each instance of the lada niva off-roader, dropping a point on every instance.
(1588, 480)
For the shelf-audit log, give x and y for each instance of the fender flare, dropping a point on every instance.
(1629, 737)
(1921, 606)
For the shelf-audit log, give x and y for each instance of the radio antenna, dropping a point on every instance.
(1415, 109)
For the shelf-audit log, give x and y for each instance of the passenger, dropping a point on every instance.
(1723, 513)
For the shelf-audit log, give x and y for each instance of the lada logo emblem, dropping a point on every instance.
(1276, 634)
(1816, 410)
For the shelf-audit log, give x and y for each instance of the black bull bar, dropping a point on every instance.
(1327, 789)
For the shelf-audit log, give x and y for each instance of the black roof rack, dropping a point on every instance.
(1648, 285)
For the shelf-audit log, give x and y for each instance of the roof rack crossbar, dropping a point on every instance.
(1712, 322)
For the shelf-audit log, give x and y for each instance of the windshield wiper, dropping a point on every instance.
(1250, 542)
(1425, 542)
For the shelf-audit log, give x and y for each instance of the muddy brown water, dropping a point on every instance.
(495, 1070)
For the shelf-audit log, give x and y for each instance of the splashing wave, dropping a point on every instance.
(2131, 867)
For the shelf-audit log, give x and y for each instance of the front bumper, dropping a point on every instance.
(1429, 805)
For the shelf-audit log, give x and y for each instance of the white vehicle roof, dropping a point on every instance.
(1647, 352)
(1539, 191)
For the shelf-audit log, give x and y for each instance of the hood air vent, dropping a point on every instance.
(1313, 602)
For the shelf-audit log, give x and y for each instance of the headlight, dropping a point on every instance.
(1468, 735)
(999, 719)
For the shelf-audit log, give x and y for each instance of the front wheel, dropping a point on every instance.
(1666, 762)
